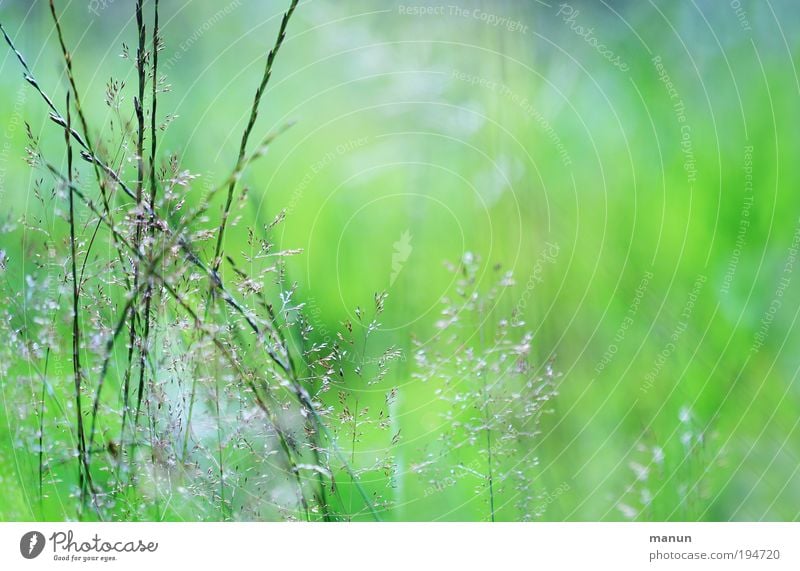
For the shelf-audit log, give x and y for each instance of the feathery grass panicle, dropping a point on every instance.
(260, 400)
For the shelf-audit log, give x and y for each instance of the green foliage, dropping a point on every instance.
(630, 358)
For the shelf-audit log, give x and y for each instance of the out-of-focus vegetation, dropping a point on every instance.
(531, 261)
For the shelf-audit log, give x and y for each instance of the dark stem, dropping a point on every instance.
(85, 141)
(249, 128)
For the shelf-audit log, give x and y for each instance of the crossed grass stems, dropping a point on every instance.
(146, 254)
(145, 245)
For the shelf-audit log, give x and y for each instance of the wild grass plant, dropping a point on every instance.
(494, 394)
(162, 372)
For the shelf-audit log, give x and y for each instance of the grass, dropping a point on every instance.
(250, 355)
(142, 268)
(301, 407)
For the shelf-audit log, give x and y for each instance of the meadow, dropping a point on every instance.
(489, 261)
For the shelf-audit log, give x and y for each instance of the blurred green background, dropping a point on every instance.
(633, 163)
